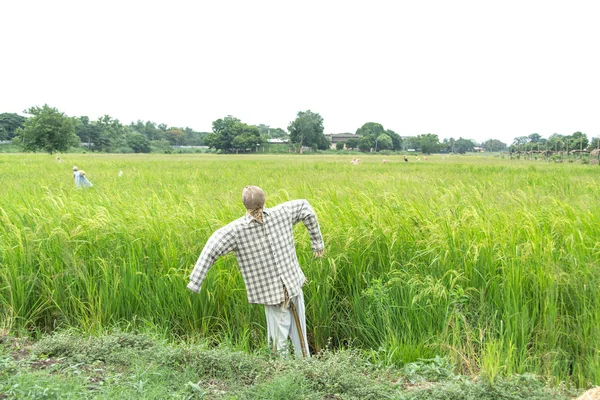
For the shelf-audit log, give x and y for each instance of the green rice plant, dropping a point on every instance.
(493, 263)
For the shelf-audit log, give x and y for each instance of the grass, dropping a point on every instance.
(121, 365)
(492, 264)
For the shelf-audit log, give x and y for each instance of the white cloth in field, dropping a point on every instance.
(266, 253)
(281, 324)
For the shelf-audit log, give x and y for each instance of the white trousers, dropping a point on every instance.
(281, 324)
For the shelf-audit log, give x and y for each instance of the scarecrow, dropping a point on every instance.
(263, 244)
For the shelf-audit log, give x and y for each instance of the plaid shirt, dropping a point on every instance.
(265, 252)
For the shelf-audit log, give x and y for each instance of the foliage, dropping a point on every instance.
(307, 130)
(132, 366)
(383, 142)
(271, 133)
(230, 134)
(48, 130)
(494, 145)
(138, 142)
(373, 136)
(428, 143)
(9, 124)
(340, 146)
(463, 145)
(352, 143)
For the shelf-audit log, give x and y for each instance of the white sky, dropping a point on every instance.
(477, 69)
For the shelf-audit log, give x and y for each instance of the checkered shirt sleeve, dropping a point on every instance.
(220, 243)
(302, 211)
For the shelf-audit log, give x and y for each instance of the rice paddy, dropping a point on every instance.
(492, 263)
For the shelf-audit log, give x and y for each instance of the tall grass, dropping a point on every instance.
(493, 263)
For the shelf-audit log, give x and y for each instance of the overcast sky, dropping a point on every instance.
(473, 69)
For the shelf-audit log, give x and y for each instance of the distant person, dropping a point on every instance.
(83, 181)
(263, 244)
(405, 159)
(58, 159)
(76, 176)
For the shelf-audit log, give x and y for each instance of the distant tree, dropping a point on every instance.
(307, 130)
(464, 145)
(247, 137)
(370, 129)
(383, 142)
(175, 136)
(339, 146)
(555, 142)
(352, 143)
(48, 130)
(534, 138)
(396, 139)
(593, 144)
(366, 143)
(278, 133)
(112, 136)
(231, 134)
(520, 142)
(410, 142)
(452, 144)
(193, 138)
(9, 123)
(223, 133)
(578, 141)
(371, 133)
(138, 142)
(493, 145)
(90, 133)
(428, 143)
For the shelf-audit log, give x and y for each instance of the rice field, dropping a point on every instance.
(492, 263)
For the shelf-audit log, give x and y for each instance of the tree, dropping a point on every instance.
(578, 141)
(429, 143)
(371, 134)
(339, 146)
(396, 139)
(175, 136)
(594, 144)
(464, 145)
(223, 133)
(370, 129)
(383, 142)
(9, 123)
(352, 143)
(91, 134)
(534, 138)
(307, 130)
(247, 137)
(48, 129)
(231, 134)
(556, 141)
(138, 142)
(520, 141)
(112, 134)
(493, 145)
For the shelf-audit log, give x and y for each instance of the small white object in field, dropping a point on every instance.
(120, 174)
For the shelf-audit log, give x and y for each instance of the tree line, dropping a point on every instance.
(47, 129)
